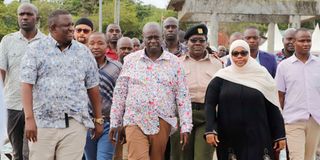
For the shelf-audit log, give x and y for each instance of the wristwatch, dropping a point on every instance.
(98, 121)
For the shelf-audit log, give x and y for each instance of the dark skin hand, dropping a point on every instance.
(121, 135)
(213, 140)
(31, 130)
(279, 145)
(184, 139)
(122, 138)
(97, 131)
(94, 96)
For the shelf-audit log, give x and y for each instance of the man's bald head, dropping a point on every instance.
(288, 40)
(171, 21)
(171, 29)
(124, 47)
(289, 32)
(136, 44)
(152, 37)
(124, 41)
(28, 5)
(27, 17)
(110, 26)
(102, 35)
(151, 26)
(113, 33)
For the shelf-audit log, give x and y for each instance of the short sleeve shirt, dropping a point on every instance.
(300, 83)
(199, 74)
(12, 48)
(60, 81)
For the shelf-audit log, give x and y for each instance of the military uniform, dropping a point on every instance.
(199, 73)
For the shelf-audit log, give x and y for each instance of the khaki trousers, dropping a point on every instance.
(59, 143)
(318, 150)
(302, 139)
(147, 147)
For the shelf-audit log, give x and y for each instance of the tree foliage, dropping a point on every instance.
(133, 15)
(8, 18)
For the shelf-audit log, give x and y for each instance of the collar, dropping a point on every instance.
(106, 61)
(179, 50)
(258, 55)
(164, 56)
(36, 37)
(294, 58)
(56, 44)
(206, 57)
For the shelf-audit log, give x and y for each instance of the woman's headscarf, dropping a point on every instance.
(252, 75)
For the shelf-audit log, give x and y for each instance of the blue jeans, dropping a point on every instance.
(101, 149)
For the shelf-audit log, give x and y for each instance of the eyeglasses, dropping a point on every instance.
(85, 31)
(197, 40)
(242, 53)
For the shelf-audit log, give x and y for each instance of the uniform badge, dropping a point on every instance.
(200, 31)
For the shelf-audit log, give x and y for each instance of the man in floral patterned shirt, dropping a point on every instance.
(149, 92)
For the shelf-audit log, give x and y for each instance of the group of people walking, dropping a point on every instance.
(162, 99)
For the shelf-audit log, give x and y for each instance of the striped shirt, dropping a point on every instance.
(108, 74)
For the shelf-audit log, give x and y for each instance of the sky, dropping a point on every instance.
(157, 3)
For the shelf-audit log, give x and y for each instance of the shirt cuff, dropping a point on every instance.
(28, 81)
(212, 132)
(279, 139)
(186, 128)
(114, 125)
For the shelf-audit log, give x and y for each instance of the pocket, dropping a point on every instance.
(14, 58)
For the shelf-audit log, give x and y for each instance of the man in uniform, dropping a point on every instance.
(200, 67)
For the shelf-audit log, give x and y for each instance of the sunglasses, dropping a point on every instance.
(85, 31)
(197, 40)
(242, 53)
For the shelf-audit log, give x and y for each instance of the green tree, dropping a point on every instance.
(133, 15)
(8, 18)
(45, 8)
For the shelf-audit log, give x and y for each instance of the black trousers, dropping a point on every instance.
(168, 149)
(15, 130)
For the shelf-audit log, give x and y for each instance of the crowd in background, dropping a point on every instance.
(80, 94)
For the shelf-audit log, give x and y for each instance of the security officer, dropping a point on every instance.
(200, 66)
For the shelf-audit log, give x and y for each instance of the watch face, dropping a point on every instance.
(99, 120)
